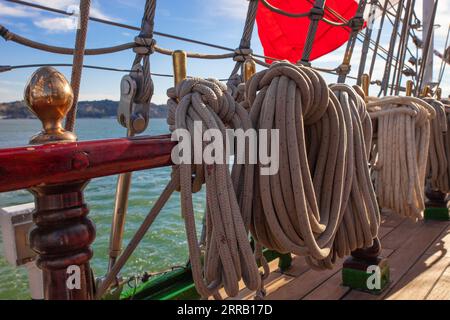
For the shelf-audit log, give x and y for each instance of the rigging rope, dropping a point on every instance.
(78, 57)
(439, 150)
(228, 256)
(136, 94)
(403, 46)
(244, 51)
(366, 41)
(344, 68)
(393, 39)
(321, 203)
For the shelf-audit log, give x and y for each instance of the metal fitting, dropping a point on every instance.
(356, 23)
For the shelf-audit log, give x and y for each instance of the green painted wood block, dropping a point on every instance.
(439, 214)
(357, 275)
(178, 284)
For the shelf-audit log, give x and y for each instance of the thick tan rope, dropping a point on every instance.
(438, 154)
(228, 256)
(78, 57)
(320, 204)
(400, 152)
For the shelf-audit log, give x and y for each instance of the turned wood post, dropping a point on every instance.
(62, 239)
(63, 233)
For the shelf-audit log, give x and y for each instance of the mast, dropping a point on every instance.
(428, 21)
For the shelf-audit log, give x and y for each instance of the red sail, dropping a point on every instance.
(284, 37)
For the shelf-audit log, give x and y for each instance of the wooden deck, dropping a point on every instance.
(419, 259)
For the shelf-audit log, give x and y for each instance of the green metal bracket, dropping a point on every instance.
(178, 284)
(439, 214)
(358, 278)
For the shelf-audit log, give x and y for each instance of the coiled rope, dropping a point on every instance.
(400, 153)
(439, 150)
(229, 256)
(321, 203)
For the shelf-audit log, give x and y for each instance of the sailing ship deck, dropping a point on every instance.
(418, 255)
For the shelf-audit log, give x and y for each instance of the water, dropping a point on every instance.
(163, 246)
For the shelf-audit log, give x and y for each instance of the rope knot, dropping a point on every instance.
(145, 45)
(241, 54)
(343, 69)
(212, 93)
(356, 23)
(316, 13)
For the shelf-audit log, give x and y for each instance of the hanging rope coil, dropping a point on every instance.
(228, 256)
(439, 152)
(400, 153)
(320, 204)
(78, 58)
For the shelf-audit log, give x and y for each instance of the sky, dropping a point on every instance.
(218, 21)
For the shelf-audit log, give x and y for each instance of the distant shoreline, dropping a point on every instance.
(97, 109)
(1, 118)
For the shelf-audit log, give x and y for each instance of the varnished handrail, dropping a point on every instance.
(29, 166)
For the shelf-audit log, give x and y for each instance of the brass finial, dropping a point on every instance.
(249, 69)
(179, 59)
(439, 93)
(409, 88)
(49, 96)
(365, 83)
(426, 91)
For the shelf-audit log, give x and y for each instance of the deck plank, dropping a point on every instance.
(442, 246)
(391, 219)
(441, 291)
(400, 234)
(419, 257)
(417, 283)
(304, 284)
(276, 279)
(406, 255)
(273, 267)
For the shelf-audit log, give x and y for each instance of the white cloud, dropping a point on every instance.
(234, 9)
(51, 23)
(55, 25)
(14, 11)
(442, 14)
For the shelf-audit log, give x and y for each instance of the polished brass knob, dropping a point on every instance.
(49, 96)
(179, 60)
(365, 84)
(409, 88)
(426, 91)
(439, 93)
(249, 69)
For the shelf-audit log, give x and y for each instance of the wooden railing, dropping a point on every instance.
(56, 174)
(29, 166)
